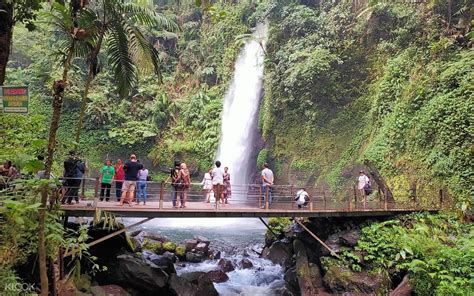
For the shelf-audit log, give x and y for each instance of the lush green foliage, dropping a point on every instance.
(386, 84)
(436, 250)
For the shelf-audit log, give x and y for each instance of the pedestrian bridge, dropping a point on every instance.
(246, 201)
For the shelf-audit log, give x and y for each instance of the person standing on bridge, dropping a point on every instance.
(363, 183)
(107, 173)
(267, 183)
(207, 185)
(227, 190)
(119, 178)
(175, 182)
(217, 181)
(186, 181)
(131, 169)
(141, 185)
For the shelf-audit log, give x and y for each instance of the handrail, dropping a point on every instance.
(160, 196)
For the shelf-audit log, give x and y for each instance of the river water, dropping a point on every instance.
(236, 239)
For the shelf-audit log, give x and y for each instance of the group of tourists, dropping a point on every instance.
(216, 181)
(131, 178)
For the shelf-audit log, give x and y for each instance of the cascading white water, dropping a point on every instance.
(240, 109)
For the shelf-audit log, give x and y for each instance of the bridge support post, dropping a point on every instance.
(96, 192)
(324, 199)
(310, 203)
(385, 204)
(162, 189)
(349, 202)
(260, 197)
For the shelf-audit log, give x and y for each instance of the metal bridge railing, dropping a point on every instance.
(161, 195)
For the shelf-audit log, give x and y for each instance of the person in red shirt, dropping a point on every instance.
(119, 177)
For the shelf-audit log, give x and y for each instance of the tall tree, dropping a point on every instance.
(118, 26)
(65, 20)
(12, 12)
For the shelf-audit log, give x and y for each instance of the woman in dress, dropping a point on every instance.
(227, 189)
(207, 185)
(184, 174)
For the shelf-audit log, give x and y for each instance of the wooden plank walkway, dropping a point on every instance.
(201, 209)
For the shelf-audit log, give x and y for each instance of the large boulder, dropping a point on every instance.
(280, 252)
(169, 246)
(190, 244)
(350, 237)
(246, 263)
(202, 239)
(291, 280)
(216, 276)
(403, 289)
(180, 286)
(152, 246)
(192, 276)
(339, 280)
(202, 247)
(163, 262)
(341, 239)
(109, 290)
(135, 273)
(170, 256)
(225, 265)
(195, 257)
(309, 276)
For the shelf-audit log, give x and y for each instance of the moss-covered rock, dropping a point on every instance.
(181, 251)
(153, 246)
(169, 246)
(339, 280)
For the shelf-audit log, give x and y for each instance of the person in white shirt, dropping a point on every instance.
(301, 198)
(218, 181)
(207, 185)
(362, 182)
(267, 182)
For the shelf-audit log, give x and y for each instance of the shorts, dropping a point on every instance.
(129, 186)
(218, 187)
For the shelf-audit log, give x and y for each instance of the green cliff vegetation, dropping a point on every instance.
(389, 83)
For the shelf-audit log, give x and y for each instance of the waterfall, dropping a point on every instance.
(241, 103)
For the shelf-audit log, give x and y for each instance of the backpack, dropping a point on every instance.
(368, 188)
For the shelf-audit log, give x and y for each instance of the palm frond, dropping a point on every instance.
(143, 52)
(143, 16)
(119, 58)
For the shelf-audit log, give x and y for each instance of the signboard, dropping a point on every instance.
(15, 99)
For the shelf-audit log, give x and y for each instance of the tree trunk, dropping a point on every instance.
(6, 31)
(380, 181)
(90, 77)
(58, 88)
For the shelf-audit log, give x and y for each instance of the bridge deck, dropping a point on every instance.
(201, 209)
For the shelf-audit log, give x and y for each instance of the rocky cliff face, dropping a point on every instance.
(310, 269)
